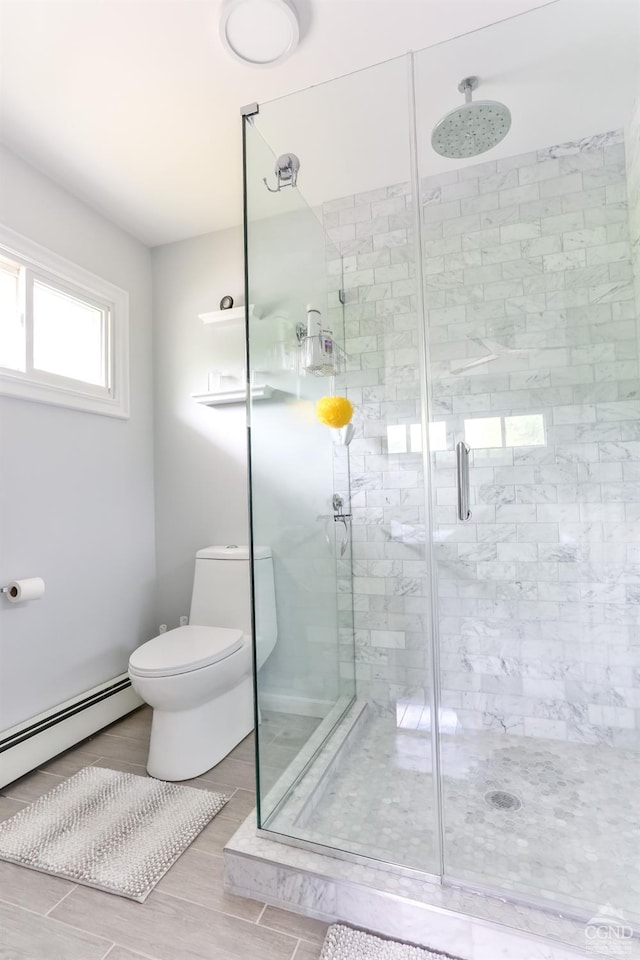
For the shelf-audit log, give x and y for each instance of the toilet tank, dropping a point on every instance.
(221, 593)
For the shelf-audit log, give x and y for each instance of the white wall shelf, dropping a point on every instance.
(218, 397)
(234, 315)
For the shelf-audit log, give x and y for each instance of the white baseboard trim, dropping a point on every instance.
(303, 706)
(33, 742)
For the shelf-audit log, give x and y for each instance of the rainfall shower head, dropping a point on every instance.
(472, 128)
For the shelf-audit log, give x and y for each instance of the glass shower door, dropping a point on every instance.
(297, 467)
(372, 790)
(533, 346)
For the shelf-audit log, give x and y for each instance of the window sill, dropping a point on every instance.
(19, 389)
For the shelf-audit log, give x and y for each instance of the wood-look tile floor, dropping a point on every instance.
(188, 916)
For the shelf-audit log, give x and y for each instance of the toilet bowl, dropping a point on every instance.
(198, 678)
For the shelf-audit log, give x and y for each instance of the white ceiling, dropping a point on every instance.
(566, 71)
(133, 105)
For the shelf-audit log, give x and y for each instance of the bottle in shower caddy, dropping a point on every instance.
(319, 354)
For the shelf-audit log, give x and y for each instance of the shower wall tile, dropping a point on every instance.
(551, 334)
(530, 313)
(390, 582)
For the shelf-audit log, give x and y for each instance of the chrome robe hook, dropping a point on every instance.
(286, 171)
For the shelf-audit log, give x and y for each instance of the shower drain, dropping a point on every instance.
(501, 800)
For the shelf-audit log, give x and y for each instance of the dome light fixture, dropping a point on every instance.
(259, 32)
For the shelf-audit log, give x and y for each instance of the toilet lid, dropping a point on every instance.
(184, 649)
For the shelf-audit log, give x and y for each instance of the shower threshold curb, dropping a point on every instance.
(450, 919)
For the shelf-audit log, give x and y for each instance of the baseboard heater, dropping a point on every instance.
(33, 742)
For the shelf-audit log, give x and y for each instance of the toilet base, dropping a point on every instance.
(186, 743)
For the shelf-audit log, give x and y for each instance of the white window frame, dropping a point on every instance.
(44, 265)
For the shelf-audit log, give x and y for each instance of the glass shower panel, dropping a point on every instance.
(371, 791)
(533, 345)
(295, 469)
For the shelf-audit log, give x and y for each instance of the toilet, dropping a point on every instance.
(198, 678)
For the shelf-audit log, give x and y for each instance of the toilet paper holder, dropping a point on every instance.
(31, 588)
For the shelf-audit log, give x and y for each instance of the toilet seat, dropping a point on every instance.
(184, 649)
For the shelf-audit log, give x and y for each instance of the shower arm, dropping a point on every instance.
(467, 86)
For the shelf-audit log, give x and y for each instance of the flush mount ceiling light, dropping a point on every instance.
(259, 32)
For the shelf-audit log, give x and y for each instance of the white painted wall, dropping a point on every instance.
(200, 451)
(76, 488)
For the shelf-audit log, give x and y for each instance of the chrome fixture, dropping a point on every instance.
(462, 457)
(286, 171)
(344, 518)
(346, 434)
(319, 355)
(472, 128)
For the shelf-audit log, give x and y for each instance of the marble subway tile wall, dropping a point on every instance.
(533, 335)
(373, 232)
(534, 361)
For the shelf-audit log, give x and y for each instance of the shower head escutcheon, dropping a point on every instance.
(473, 128)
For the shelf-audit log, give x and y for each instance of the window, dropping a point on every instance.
(63, 331)
(397, 437)
(524, 431)
(483, 432)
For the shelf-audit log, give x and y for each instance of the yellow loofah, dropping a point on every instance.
(334, 411)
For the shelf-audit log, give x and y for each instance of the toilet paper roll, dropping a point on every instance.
(30, 589)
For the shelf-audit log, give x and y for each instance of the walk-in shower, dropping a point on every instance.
(457, 696)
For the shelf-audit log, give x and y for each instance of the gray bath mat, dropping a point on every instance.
(344, 943)
(115, 831)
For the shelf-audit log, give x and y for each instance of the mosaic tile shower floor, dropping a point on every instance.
(576, 836)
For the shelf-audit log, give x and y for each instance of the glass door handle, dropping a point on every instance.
(462, 471)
